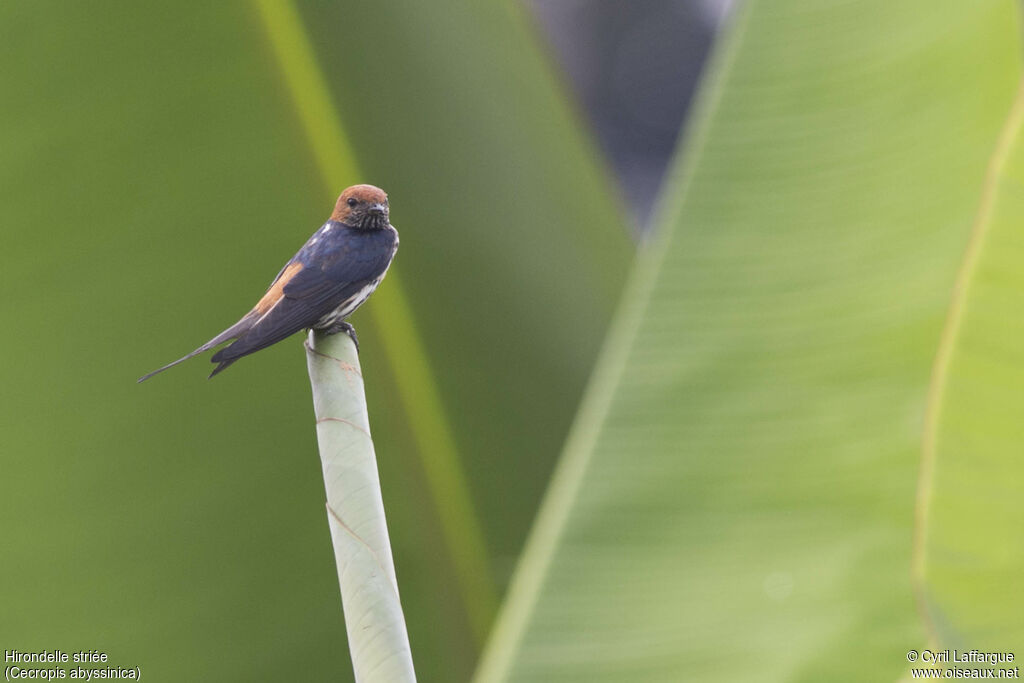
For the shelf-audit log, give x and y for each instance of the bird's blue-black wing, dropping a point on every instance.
(330, 275)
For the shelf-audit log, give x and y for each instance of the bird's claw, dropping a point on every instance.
(347, 328)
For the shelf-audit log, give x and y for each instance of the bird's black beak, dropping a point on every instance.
(377, 210)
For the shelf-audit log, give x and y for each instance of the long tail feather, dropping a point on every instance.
(232, 332)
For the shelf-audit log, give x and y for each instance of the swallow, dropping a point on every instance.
(331, 276)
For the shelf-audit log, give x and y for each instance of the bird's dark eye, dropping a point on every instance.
(352, 201)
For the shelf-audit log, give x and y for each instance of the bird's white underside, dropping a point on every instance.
(348, 306)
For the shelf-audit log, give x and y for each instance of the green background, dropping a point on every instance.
(155, 176)
(794, 456)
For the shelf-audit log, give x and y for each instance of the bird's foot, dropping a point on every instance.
(345, 327)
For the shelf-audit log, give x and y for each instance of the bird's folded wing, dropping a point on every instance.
(309, 294)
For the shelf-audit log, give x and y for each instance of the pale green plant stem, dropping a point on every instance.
(377, 637)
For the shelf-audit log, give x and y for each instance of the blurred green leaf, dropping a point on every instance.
(736, 498)
(514, 250)
(970, 553)
(516, 256)
(417, 388)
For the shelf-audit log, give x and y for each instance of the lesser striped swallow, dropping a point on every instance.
(333, 274)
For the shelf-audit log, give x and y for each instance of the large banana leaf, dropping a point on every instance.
(736, 500)
(155, 175)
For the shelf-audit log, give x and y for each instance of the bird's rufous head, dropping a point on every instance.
(362, 206)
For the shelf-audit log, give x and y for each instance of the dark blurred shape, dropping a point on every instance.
(634, 66)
